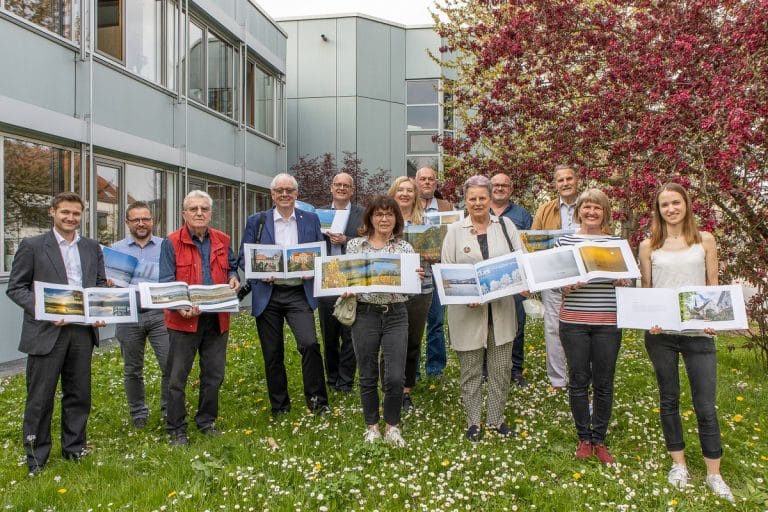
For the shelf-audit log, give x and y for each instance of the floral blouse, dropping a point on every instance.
(395, 246)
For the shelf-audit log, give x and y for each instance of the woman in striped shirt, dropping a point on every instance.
(589, 335)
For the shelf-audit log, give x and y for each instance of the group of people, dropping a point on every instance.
(384, 343)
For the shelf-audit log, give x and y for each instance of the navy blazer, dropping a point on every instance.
(308, 226)
(38, 258)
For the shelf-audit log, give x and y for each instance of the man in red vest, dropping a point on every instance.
(196, 254)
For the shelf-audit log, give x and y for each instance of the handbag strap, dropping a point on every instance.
(502, 221)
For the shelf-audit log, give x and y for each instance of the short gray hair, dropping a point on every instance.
(562, 167)
(294, 183)
(197, 193)
(478, 180)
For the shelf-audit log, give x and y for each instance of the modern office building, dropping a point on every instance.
(368, 86)
(124, 100)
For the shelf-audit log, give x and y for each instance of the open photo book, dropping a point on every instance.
(367, 273)
(74, 304)
(464, 283)
(263, 261)
(124, 270)
(216, 298)
(681, 309)
(580, 263)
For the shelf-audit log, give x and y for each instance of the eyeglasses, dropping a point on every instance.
(281, 191)
(145, 220)
(342, 185)
(201, 209)
(388, 213)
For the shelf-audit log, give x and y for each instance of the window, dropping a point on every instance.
(264, 98)
(32, 174)
(257, 201)
(225, 211)
(108, 209)
(109, 28)
(155, 188)
(221, 75)
(429, 114)
(59, 16)
(196, 63)
(143, 38)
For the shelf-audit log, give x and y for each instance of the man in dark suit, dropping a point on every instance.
(56, 348)
(277, 300)
(340, 361)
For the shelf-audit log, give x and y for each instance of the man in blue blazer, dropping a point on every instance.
(56, 349)
(277, 300)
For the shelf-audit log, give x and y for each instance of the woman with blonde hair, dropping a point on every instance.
(405, 193)
(678, 254)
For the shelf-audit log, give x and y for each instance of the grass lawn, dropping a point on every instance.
(302, 462)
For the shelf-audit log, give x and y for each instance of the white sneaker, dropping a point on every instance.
(720, 488)
(678, 476)
(371, 435)
(393, 437)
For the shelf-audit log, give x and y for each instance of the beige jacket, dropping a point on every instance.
(468, 327)
(548, 215)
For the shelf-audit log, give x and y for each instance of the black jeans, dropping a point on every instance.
(700, 360)
(289, 303)
(212, 347)
(418, 309)
(591, 352)
(381, 329)
(339, 353)
(518, 344)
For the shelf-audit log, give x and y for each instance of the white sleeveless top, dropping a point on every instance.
(672, 269)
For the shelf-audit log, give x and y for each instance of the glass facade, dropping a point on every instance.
(424, 124)
(61, 17)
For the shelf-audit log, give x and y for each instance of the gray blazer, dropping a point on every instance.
(39, 259)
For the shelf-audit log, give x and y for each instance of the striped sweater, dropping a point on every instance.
(594, 303)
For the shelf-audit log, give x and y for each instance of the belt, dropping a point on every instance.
(379, 308)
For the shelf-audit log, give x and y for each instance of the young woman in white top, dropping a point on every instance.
(678, 254)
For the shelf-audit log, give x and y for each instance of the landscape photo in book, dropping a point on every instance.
(553, 266)
(302, 259)
(204, 296)
(370, 271)
(709, 306)
(169, 294)
(267, 259)
(541, 240)
(326, 219)
(459, 282)
(603, 259)
(110, 303)
(58, 301)
(427, 240)
(500, 275)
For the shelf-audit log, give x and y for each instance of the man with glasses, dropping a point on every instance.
(502, 206)
(278, 300)
(196, 254)
(426, 181)
(339, 354)
(144, 246)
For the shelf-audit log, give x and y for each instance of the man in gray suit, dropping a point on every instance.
(340, 360)
(56, 348)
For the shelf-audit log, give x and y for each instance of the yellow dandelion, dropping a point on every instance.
(672, 502)
(524, 434)
(248, 431)
(62, 491)
(518, 420)
(740, 398)
(763, 457)
(172, 494)
(432, 387)
(445, 462)
(241, 380)
(576, 475)
(737, 418)
(318, 466)
(757, 429)
(656, 410)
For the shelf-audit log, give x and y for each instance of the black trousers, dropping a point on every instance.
(212, 347)
(70, 359)
(340, 363)
(288, 303)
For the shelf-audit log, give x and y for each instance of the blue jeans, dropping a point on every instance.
(591, 352)
(436, 356)
(700, 360)
(381, 330)
(518, 344)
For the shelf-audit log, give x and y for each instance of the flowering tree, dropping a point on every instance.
(315, 176)
(631, 92)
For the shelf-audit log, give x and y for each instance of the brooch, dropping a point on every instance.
(466, 250)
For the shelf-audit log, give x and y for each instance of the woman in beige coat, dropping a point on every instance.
(480, 331)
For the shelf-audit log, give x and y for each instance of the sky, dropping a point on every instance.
(406, 12)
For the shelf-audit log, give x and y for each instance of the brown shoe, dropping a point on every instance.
(602, 454)
(584, 450)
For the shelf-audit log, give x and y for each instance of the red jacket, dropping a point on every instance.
(189, 269)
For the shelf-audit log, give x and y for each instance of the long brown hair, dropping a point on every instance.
(417, 211)
(659, 225)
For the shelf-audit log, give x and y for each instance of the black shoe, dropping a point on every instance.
(321, 410)
(342, 389)
(211, 431)
(407, 403)
(179, 439)
(502, 430)
(474, 433)
(139, 423)
(35, 470)
(76, 456)
(281, 412)
(319, 406)
(517, 378)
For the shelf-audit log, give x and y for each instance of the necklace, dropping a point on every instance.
(476, 229)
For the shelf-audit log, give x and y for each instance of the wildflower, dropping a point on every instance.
(172, 494)
(318, 466)
(62, 491)
(576, 475)
(445, 462)
(737, 418)
(740, 398)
